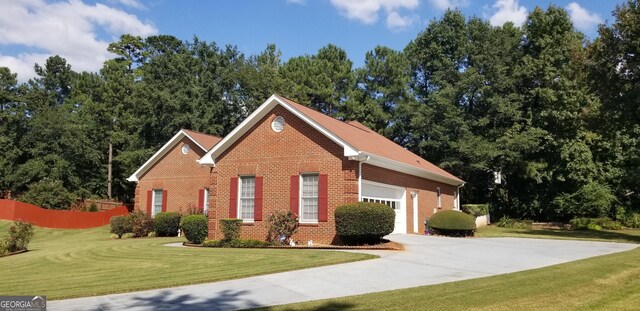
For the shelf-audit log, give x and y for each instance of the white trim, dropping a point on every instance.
(153, 201)
(408, 169)
(415, 212)
(205, 201)
(160, 153)
(239, 212)
(364, 181)
(439, 195)
(300, 202)
(210, 157)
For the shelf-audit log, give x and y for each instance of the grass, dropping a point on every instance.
(76, 263)
(610, 282)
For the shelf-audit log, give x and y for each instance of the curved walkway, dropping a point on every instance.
(426, 261)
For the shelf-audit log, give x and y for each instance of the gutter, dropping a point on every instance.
(458, 199)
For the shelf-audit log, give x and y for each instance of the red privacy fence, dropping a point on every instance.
(15, 210)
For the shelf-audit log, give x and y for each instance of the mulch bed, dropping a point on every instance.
(387, 245)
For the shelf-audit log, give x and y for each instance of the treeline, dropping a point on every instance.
(554, 117)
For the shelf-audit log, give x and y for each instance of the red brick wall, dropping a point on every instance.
(277, 156)
(179, 174)
(427, 192)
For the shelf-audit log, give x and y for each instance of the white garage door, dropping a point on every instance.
(392, 196)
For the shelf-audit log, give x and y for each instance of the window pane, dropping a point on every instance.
(157, 201)
(247, 195)
(309, 206)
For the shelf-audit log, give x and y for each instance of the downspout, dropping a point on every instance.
(360, 177)
(458, 199)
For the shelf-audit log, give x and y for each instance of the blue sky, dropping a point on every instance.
(80, 30)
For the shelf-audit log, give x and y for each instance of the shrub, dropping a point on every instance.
(592, 200)
(282, 224)
(20, 234)
(93, 207)
(231, 228)
(632, 220)
(49, 194)
(236, 243)
(167, 224)
(453, 223)
(475, 210)
(120, 225)
(595, 224)
(364, 222)
(506, 222)
(141, 224)
(195, 228)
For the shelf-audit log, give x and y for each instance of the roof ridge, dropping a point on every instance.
(188, 130)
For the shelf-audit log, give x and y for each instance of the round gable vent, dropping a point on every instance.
(185, 149)
(278, 124)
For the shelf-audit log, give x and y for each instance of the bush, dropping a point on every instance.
(120, 225)
(282, 224)
(236, 243)
(141, 224)
(506, 222)
(364, 222)
(475, 210)
(167, 224)
(231, 228)
(195, 228)
(49, 194)
(93, 207)
(20, 234)
(592, 200)
(632, 220)
(452, 223)
(595, 224)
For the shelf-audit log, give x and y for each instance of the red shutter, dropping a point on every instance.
(233, 198)
(294, 196)
(164, 201)
(201, 198)
(257, 200)
(323, 191)
(149, 199)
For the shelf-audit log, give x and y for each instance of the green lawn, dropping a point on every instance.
(610, 282)
(76, 263)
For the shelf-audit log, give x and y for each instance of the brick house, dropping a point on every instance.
(172, 179)
(286, 156)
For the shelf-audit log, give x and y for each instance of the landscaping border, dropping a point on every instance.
(388, 246)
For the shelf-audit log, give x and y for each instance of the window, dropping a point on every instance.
(247, 198)
(439, 201)
(309, 198)
(394, 204)
(157, 202)
(205, 200)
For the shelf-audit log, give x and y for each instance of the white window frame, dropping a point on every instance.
(205, 201)
(154, 201)
(439, 197)
(302, 199)
(241, 198)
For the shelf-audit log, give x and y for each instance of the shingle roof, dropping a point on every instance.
(367, 140)
(205, 140)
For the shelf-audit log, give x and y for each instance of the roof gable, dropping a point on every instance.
(359, 142)
(200, 140)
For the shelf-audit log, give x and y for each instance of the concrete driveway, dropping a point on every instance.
(426, 261)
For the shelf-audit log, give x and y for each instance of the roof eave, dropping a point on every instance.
(383, 162)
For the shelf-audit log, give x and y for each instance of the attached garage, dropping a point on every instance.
(392, 196)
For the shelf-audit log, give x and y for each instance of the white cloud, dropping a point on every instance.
(448, 4)
(132, 3)
(68, 29)
(366, 11)
(581, 18)
(508, 11)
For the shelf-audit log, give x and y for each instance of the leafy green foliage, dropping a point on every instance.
(20, 234)
(121, 225)
(452, 223)
(231, 229)
(592, 200)
(167, 223)
(475, 210)
(595, 224)
(195, 228)
(632, 220)
(282, 224)
(364, 222)
(50, 194)
(506, 222)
